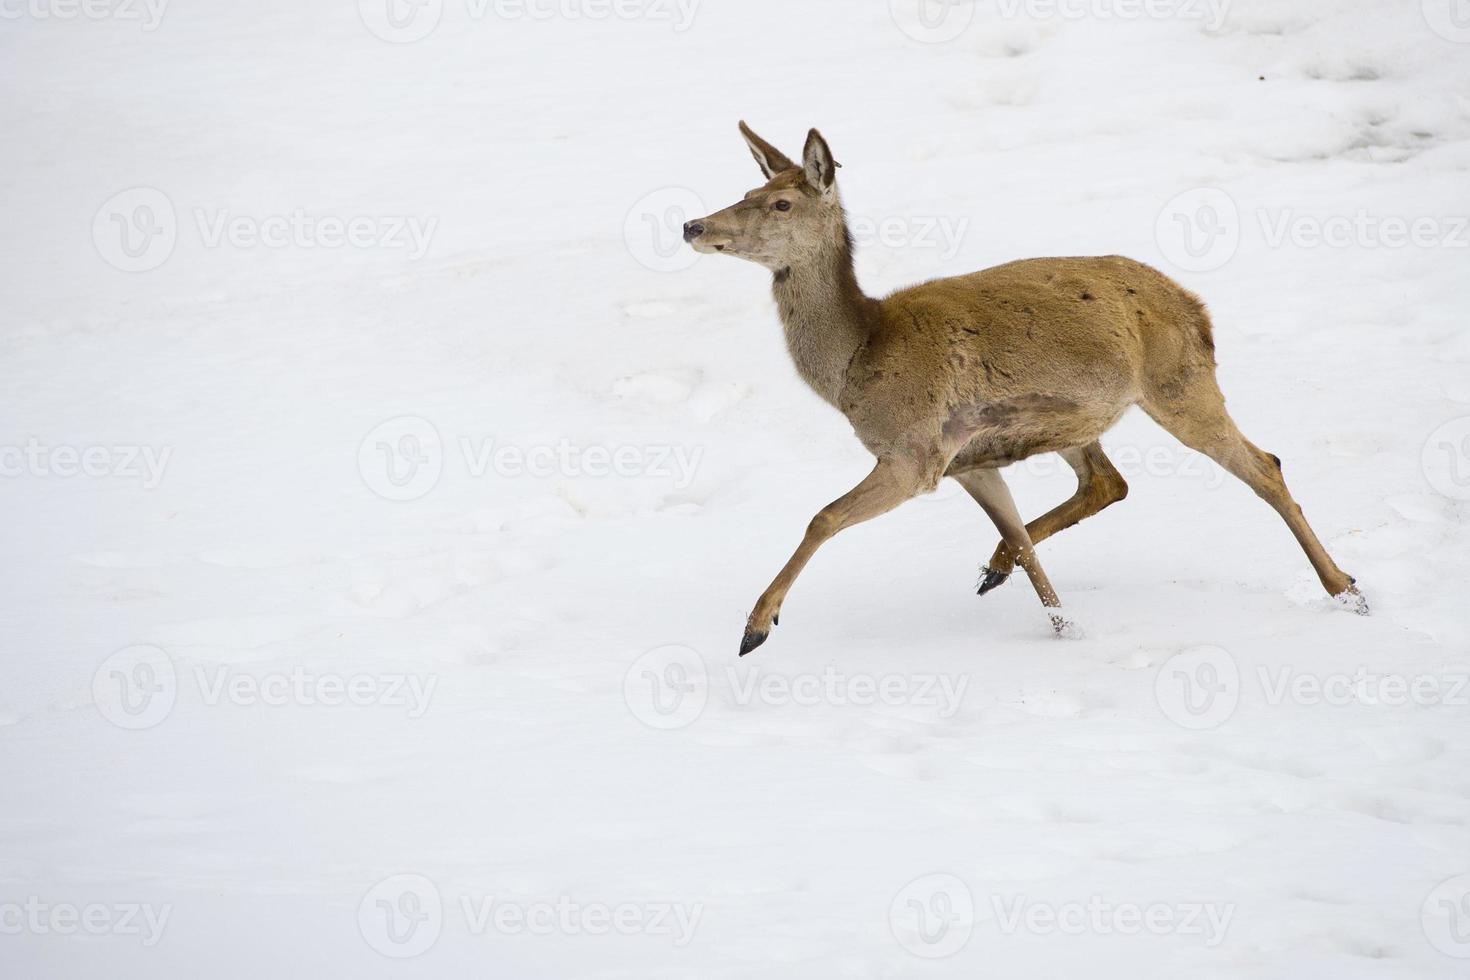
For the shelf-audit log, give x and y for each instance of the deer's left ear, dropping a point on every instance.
(821, 169)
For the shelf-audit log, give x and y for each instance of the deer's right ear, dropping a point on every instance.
(771, 160)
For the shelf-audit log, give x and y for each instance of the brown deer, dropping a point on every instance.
(961, 376)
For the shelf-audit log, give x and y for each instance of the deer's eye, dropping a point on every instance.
(782, 206)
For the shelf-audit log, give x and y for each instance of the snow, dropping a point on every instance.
(393, 631)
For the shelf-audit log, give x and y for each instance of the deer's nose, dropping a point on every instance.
(692, 230)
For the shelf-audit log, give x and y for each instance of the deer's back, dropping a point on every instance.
(1051, 351)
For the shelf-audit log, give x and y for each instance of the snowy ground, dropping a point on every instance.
(371, 608)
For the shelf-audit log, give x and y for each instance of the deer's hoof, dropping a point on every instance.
(1353, 600)
(751, 640)
(1063, 628)
(990, 579)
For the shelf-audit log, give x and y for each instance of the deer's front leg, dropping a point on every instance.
(890, 484)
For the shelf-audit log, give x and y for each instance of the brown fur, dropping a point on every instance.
(959, 376)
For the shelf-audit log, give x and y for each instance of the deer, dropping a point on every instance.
(958, 377)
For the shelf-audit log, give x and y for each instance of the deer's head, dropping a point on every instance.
(795, 215)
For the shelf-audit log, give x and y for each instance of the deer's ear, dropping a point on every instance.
(821, 169)
(771, 160)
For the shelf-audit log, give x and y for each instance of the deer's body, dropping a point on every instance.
(960, 376)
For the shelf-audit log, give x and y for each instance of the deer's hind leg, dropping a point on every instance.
(1194, 413)
(991, 492)
(1099, 485)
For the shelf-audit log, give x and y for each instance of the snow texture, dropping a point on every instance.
(386, 488)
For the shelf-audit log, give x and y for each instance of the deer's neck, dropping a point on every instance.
(826, 316)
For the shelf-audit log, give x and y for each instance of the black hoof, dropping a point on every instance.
(750, 641)
(991, 580)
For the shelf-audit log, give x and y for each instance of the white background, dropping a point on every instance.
(553, 156)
